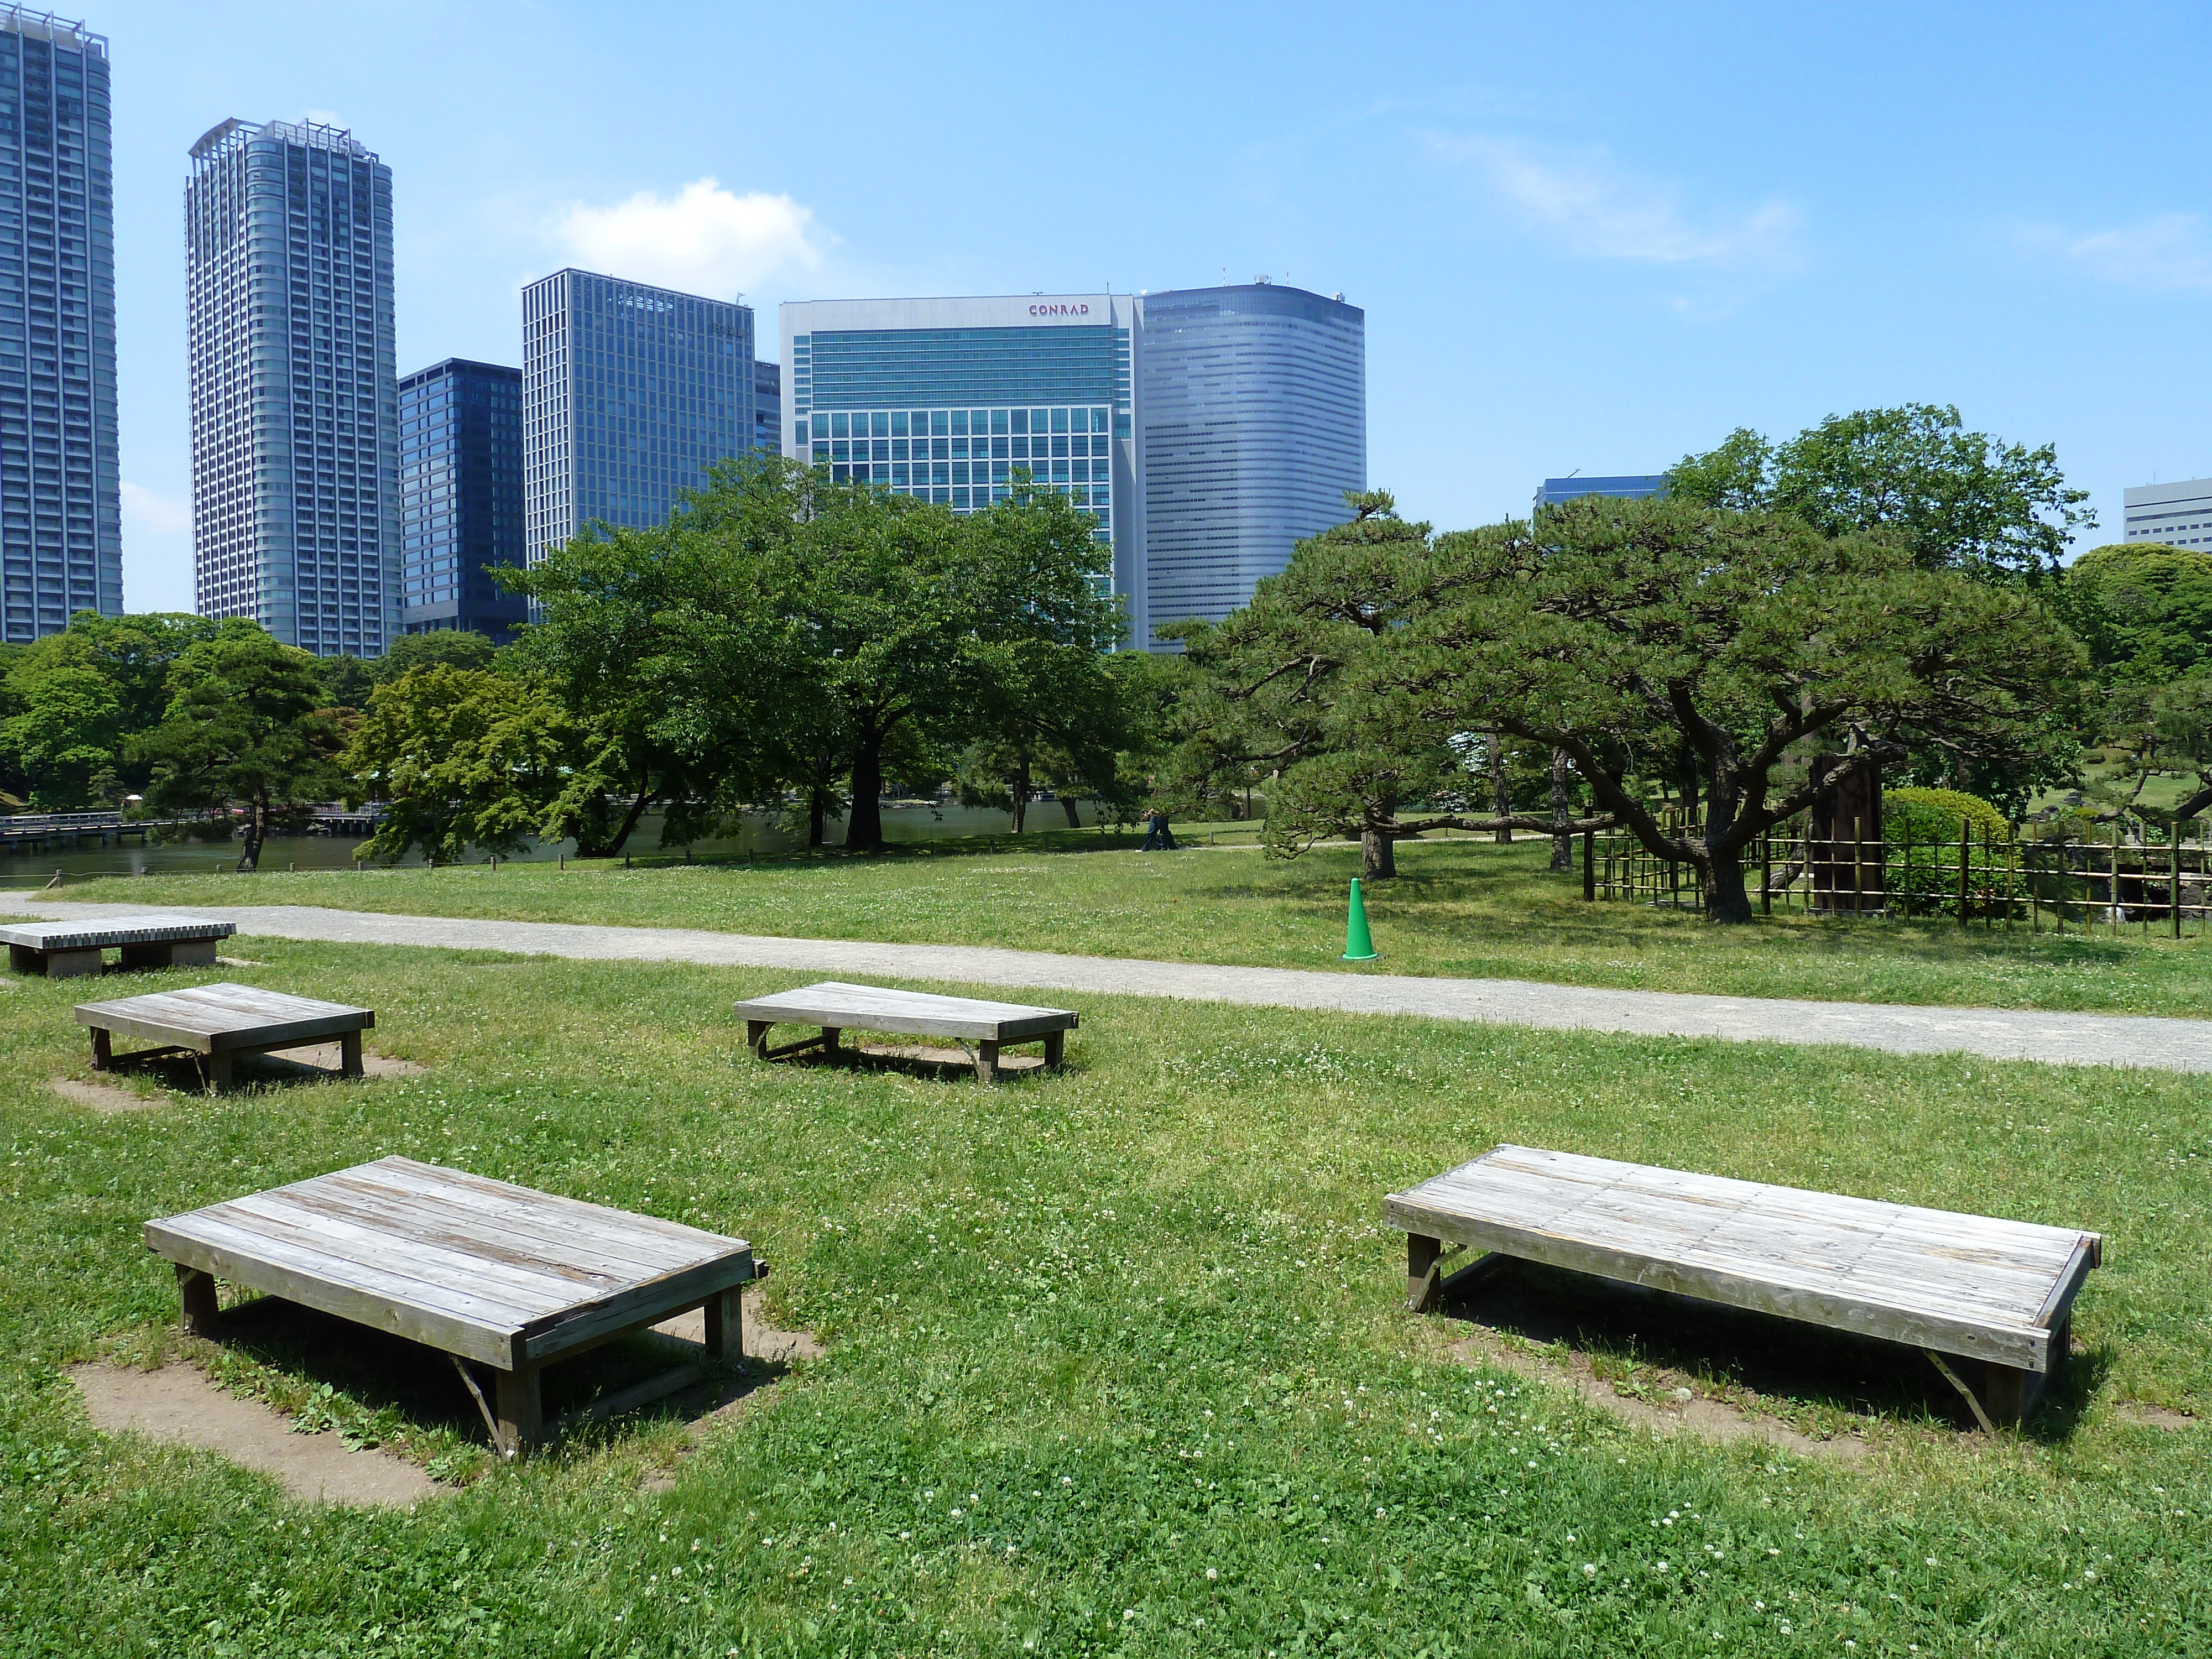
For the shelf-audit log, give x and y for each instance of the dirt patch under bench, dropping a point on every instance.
(1677, 1408)
(2152, 1417)
(179, 1406)
(103, 1097)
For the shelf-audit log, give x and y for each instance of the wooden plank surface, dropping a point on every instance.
(479, 1267)
(210, 1018)
(117, 930)
(876, 1008)
(1962, 1284)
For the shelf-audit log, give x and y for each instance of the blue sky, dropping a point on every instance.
(1587, 237)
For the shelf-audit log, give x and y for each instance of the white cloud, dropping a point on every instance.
(705, 240)
(1595, 208)
(2169, 254)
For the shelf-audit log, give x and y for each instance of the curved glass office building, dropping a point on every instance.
(1206, 432)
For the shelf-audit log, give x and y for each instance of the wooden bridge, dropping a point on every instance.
(35, 832)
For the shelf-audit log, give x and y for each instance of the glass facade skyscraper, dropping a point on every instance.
(460, 497)
(768, 406)
(1628, 486)
(295, 397)
(1254, 405)
(61, 530)
(629, 394)
(1206, 431)
(944, 399)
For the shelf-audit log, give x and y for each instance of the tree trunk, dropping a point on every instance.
(637, 809)
(864, 825)
(1021, 793)
(1067, 806)
(256, 829)
(817, 815)
(1378, 856)
(1562, 840)
(1501, 792)
(1726, 900)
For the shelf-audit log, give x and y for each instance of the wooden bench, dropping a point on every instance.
(1999, 1293)
(60, 950)
(498, 1274)
(836, 1007)
(219, 1023)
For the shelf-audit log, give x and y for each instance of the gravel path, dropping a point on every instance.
(2066, 1039)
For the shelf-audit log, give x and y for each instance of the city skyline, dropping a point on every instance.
(1613, 260)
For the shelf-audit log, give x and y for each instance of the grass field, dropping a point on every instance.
(1465, 907)
(1118, 1361)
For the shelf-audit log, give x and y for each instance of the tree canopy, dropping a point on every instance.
(2143, 610)
(1960, 500)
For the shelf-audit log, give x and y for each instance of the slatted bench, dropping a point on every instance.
(1999, 1293)
(836, 1007)
(489, 1272)
(219, 1023)
(60, 950)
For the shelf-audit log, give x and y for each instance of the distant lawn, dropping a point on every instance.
(1461, 908)
(1117, 1359)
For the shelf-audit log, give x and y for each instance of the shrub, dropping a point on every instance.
(1920, 831)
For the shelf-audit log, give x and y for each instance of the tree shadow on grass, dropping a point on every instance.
(420, 1385)
(1625, 1329)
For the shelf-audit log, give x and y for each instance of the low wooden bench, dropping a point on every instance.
(219, 1023)
(1999, 1293)
(487, 1272)
(60, 950)
(836, 1007)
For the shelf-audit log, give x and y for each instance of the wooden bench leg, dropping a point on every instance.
(757, 1032)
(1055, 1049)
(103, 1049)
(2009, 1393)
(192, 953)
(350, 1053)
(26, 959)
(196, 1289)
(520, 1409)
(829, 1036)
(1421, 1253)
(725, 1328)
(220, 1070)
(68, 964)
(987, 1062)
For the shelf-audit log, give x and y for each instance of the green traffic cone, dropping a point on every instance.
(1358, 943)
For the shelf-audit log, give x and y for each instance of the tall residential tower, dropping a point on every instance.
(61, 532)
(295, 397)
(461, 501)
(1207, 431)
(629, 394)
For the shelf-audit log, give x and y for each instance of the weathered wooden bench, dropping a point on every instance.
(219, 1023)
(502, 1275)
(1996, 1293)
(836, 1007)
(60, 950)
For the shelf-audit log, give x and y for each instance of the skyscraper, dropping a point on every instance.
(61, 530)
(1632, 486)
(1207, 431)
(295, 397)
(629, 394)
(1253, 406)
(942, 399)
(461, 500)
(768, 406)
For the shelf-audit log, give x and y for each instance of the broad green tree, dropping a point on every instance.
(71, 702)
(246, 727)
(469, 757)
(1960, 500)
(2143, 608)
(1659, 637)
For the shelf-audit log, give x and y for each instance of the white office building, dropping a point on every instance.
(1207, 430)
(2178, 514)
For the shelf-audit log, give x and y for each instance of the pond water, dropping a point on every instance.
(757, 834)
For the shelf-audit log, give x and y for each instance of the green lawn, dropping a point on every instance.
(1460, 908)
(1117, 1359)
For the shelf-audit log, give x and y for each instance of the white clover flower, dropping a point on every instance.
(1211, 1575)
